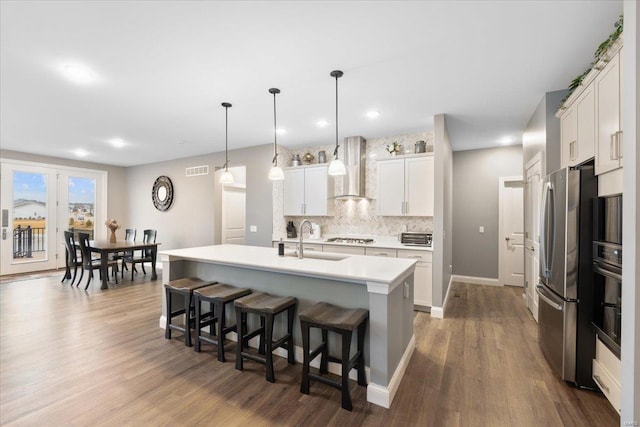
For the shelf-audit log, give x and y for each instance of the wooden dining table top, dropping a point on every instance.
(122, 244)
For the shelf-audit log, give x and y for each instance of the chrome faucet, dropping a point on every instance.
(300, 248)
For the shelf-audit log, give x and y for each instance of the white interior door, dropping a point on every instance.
(511, 239)
(533, 195)
(233, 215)
(28, 215)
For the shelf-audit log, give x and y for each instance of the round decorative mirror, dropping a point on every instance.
(162, 193)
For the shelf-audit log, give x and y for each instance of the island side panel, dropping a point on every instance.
(307, 290)
(171, 270)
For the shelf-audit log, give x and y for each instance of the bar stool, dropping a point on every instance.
(217, 296)
(184, 287)
(267, 307)
(343, 321)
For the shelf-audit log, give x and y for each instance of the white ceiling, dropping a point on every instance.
(165, 67)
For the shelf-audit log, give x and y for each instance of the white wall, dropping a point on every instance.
(630, 347)
(443, 215)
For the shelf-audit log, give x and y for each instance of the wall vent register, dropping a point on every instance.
(197, 170)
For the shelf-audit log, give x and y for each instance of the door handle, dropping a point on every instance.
(548, 300)
(4, 234)
(507, 238)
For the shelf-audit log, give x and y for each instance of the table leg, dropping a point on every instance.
(154, 253)
(104, 267)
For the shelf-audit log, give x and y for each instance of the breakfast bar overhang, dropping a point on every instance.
(384, 286)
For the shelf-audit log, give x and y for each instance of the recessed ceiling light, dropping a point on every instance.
(78, 73)
(281, 131)
(80, 152)
(117, 142)
(373, 114)
(505, 140)
(322, 123)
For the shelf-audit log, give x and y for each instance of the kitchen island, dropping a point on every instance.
(384, 286)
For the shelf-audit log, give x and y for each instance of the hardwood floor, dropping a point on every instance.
(70, 357)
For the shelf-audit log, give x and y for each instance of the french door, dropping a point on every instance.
(37, 204)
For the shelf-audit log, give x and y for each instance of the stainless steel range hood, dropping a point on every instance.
(352, 185)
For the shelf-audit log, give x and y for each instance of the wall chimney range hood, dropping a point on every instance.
(352, 185)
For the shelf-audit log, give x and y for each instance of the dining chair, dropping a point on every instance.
(89, 263)
(145, 254)
(129, 236)
(73, 260)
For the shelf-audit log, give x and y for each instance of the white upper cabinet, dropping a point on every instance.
(405, 187)
(307, 192)
(578, 130)
(609, 133)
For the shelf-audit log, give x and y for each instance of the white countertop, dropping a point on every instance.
(389, 243)
(353, 268)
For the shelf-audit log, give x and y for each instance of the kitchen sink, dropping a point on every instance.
(318, 255)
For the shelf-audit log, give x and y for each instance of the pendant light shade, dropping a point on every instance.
(275, 174)
(226, 177)
(336, 167)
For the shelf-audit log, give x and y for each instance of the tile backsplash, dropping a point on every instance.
(354, 217)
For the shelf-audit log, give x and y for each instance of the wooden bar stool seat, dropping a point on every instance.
(342, 321)
(267, 307)
(218, 296)
(184, 287)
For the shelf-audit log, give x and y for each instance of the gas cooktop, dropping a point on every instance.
(358, 240)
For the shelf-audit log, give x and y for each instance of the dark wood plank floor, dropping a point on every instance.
(69, 357)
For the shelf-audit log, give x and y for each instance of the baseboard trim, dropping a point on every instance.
(476, 280)
(438, 312)
(383, 396)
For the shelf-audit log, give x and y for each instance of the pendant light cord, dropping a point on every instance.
(226, 138)
(335, 153)
(275, 133)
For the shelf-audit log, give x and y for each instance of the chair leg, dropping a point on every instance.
(269, 347)
(198, 308)
(167, 329)
(362, 377)
(304, 385)
(324, 358)
(75, 271)
(80, 278)
(143, 270)
(346, 347)
(133, 268)
(89, 280)
(221, 324)
(291, 356)
(187, 319)
(241, 326)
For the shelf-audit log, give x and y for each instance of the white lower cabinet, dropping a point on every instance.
(422, 277)
(606, 373)
(343, 249)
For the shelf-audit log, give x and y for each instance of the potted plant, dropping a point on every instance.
(394, 148)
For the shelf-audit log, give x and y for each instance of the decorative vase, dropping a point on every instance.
(112, 239)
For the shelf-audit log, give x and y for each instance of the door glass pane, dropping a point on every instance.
(29, 216)
(82, 202)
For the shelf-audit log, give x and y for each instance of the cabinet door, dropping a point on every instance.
(315, 191)
(586, 126)
(419, 186)
(569, 137)
(293, 192)
(607, 86)
(390, 201)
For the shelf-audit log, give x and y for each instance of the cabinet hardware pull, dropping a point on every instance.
(612, 146)
(380, 254)
(619, 143)
(599, 381)
(415, 256)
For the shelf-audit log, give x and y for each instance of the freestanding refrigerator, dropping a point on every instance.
(566, 276)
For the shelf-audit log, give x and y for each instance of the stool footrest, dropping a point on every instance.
(255, 333)
(178, 312)
(281, 341)
(325, 380)
(254, 357)
(316, 351)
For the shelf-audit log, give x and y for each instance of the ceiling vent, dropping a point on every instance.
(197, 170)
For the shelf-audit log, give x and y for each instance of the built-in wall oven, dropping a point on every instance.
(607, 268)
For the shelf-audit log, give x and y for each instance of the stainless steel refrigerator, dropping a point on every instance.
(566, 277)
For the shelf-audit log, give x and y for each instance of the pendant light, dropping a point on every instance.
(226, 177)
(275, 174)
(336, 167)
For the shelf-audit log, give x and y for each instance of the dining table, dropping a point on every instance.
(105, 247)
